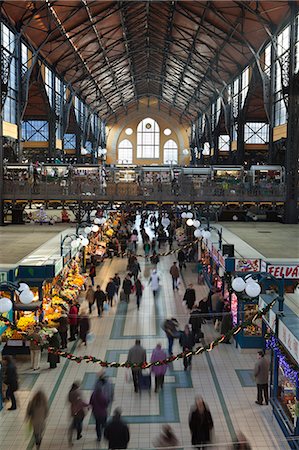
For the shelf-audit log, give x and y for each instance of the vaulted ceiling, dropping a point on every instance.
(116, 52)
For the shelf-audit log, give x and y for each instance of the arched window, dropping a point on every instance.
(170, 152)
(125, 152)
(148, 139)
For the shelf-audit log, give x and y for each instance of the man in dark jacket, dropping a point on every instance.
(111, 291)
(138, 291)
(100, 298)
(117, 431)
(11, 380)
(136, 355)
(116, 281)
(181, 258)
(261, 374)
(195, 322)
(170, 326)
(190, 297)
(127, 287)
(187, 343)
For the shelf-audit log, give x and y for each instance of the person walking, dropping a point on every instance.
(195, 321)
(138, 292)
(116, 281)
(54, 343)
(166, 439)
(73, 321)
(219, 313)
(175, 273)
(84, 326)
(155, 258)
(37, 413)
(154, 282)
(200, 424)
(35, 348)
(77, 411)
(147, 249)
(10, 378)
(261, 375)
(92, 273)
(117, 431)
(226, 323)
(110, 291)
(170, 326)
(159, 371)
(62, 329)
(135, 269)
(136, 355)
(100, 298)
(190, 297)
(187, 343)
(99, 404)
(127, 287)
(181, 259)
(89, 296)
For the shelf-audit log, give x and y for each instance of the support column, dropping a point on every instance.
(240, 139)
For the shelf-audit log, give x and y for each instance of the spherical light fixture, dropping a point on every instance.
(253, 289)
(165, 222)
(74, 243)
(196, 223)
(235, 218)
(184, 215)
(26, 297)
(129, 131)
(238, 284)
(87, 230)
(197, 233)
(104, 151)
(102, 220)
(97, 221)
(185, 152)
(189, 222)
(5, 305)
(23, 287)
(84, 242)
(95, 228)
(189, 215)
(206, 234)
(167, 131)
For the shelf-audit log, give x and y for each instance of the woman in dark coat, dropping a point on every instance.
(187, 342)
(84, 326)
(200, 424)
(138, 291)
(11, 380)
(55, 342)
(190, 296)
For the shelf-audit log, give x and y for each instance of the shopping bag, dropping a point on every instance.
(106, 306)
(128, 376)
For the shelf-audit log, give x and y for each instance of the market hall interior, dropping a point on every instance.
(149, 148)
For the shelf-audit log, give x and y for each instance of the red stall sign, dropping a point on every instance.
(289, 272)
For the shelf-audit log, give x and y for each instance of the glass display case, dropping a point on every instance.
(286, 394)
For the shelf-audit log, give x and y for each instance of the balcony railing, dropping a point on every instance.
(126, 191)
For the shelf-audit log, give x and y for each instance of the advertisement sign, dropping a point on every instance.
(288, 340)
(247, 265)
(217, 256)
(289, 272)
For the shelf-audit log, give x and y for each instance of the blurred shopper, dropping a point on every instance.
(190, 297)
(99, 403)
(127, 287)
(116, 281)
(10, 378)
(182, 259)
(62, 329)
(111, 291)
(84, 326)
(227, 323)
(89, 296)
(117, 431)
(175, 274)
(170, 326)
(154, 282)
(136, 355)
(138, 292)
(159, 371)
(241, 443)
(100, 298)
(261, 374)
(200, 424)
(187, 343)
(37, 412)
(35, 347)
(73, 321)
(195, 321)
(92, 273)
(77, 411)
(166, 439)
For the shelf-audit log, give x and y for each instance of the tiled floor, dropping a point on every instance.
(222, 377)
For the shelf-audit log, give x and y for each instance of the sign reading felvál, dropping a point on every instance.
(289, 272)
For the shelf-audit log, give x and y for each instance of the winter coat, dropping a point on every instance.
(187, 341)
(135, 269)
(227, 323)
(111, 289)
(92, 271)
(138, 288)
(10, 376)
(37, 414)
(195, 320)
(200, 425)
(154, 281)
(90, 296)
(73, 315)
(100, 297)
(117, 433)
(189, 298)
(116, 281)
(127, 286)
(219, 309)
(77, 404)
(63, 323)
(136, 355)
(158, 355)
(171, 327)
(35, 341)
(55, 342)
(174, 271)
(84, 326)
(181, 256)
(99, 403)
(261, 370)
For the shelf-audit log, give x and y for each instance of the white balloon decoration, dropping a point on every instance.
(189, 222)
(95, 228)
(5, 305)
(238, 284)
(26, 297)
(252, 289)
(197, 233)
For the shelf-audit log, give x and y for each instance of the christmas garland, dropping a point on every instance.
(288, 369)
(206, 348)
